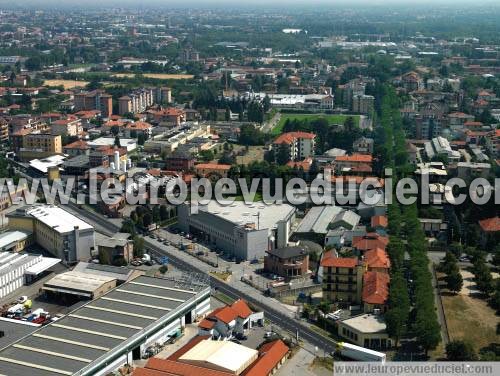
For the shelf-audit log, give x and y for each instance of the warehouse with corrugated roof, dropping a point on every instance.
(108, 332)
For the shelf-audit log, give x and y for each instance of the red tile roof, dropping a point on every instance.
(377, 258)
(206, 324)
(369, 241)
(379, 221)
(375, 287)
(490, 224)
(242, 309)
(176, 368)
(79, 144)
(288, 138)
(141, 125)
(270, 354)
(213, 166)
(360, 158)
(338, 262)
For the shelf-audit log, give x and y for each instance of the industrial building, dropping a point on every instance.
(202, 356)
(14, 241)
(58, 231)
(18, 269)
(243, 231)
(111, 331)
(80, 285)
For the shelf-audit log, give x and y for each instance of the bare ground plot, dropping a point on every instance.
(254, 153)
(68, 84)
(471, 319)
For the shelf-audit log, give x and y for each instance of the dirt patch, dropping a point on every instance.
(68, 84)
(471, 319)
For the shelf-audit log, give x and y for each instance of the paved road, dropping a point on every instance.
(273, 310)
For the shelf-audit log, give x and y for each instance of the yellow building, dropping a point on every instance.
(342, 279)
(39, 145)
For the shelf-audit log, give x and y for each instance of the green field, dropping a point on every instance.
(332, 119)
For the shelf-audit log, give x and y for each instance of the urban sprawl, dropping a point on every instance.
(269, 191)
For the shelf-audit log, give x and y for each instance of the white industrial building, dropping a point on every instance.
(58, 231)
(17, 269)
(106, 333)
(243, 231)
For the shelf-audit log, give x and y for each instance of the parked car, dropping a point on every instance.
(241, 336)
(268, 334)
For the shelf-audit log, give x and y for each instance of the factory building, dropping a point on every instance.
(58, 231)
(17, 270)
(243, 231)
(111, 331)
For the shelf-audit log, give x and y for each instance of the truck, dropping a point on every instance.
(359, 353)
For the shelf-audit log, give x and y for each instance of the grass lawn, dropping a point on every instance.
(470, 319)
(223, 298)
(332, 119)
(223, 276)
(256, 198)
(326, 363)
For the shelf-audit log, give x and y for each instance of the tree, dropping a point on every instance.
(141, 139)
(138, 246)
(147, 220)
(282, 154)
(454, 280)
(460, 351)
(163, 212)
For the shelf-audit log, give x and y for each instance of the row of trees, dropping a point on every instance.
(406, 233)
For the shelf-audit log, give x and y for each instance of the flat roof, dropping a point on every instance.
(367, 323)
(94, 332)
(10, 238)
(44, 264)
(73, 280)
(240, 214)
(220, 355)
(57, 218)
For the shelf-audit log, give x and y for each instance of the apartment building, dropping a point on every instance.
(136, 101)
(4, 130)
(94, 100)
(363, 104)
(68, 127)
(342, 278)
(38, 145)
(295, 145)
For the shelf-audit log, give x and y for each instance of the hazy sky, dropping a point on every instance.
(236, 3)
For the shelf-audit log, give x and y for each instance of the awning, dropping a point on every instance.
(67, 291)
(43, 265)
